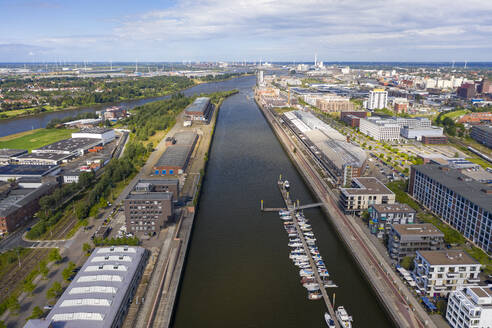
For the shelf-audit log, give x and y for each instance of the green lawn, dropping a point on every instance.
(483, 163)
(454, 115)
(35, 138)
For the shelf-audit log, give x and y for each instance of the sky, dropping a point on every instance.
(251, 30)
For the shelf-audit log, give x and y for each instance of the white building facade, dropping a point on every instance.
(470, 307)
(379, 129)
(378, 99)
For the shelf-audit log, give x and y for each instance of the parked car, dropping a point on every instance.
(48, 307)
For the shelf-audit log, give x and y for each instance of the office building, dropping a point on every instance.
(378, 99)
(458, 200)
(380, 129)
(382, 216)
(470, 307)
(199, 110)
(175, 158)
(148, 212)
(365, 191)
(466, 91)
(100, 293)
(482, 134)
(406, 239)
(437, 273)
(103, 134)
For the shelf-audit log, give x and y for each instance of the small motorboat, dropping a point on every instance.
(282, 213)
(295, 244)
(286, 185)
(343, 318)
(329, 321)
(314, 296)
(305, 273)
(311, 286)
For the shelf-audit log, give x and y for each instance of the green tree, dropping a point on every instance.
(407, 263)
(36, 313)
(87, 248)
(13, 304)
(54, 255)
(2, 324)
(54, 291)
(150, 147)
(67, 273)
(43, 269)
(28, 286)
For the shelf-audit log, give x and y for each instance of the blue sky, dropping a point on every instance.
(201, 30)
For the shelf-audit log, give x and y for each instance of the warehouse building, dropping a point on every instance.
(148, 212)
(340, 158)
(7, 155)
(103, 134)
(365, 191)
(159, 185)
(406, 239)
(18, 204)
(9, 172)
(175, 158)
(419, 133)
(383, 216)
(100, 293)
(74, 146)
(41, 159)
(457, 199)
(199, 110)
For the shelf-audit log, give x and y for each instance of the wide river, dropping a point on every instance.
(238, 273)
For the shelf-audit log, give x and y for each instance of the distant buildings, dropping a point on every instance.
(114, 113)
(334, 103)
(461, 202)
(100, 293)
(199, 110)
(378, 99)
(175, 158)
(400, 105)
(383, 216)
(476, 118)
(406, 239)
(470, 307)
(364, 192)
(466, 91)
(482, 134)
(437, 273)
(352, 118)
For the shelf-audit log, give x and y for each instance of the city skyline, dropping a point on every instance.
(252, 31)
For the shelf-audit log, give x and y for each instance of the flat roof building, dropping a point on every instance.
(41, 159)
(470, 307)
(457, 199)
(99, 295)
(6, 155)
(12, 171)
(383, 216)
(365, 191)
(482, 134)
(158, 185)
(74, 146)
(104, 134)
(406, 239)
(175, 158)
(199, 110)
(419, 133)
(148, 212)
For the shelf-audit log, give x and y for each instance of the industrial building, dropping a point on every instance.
(73, 146)
(9, 172)
(18, 203)
(147, 212)
(175, 158)
(457, 199)
(103, 134)
(199, 110)
(470, 307)
(406, 239)
(419, 133)
(365, 191)
(41, 159)
(6, 155)
(342, 159)
(158, 185)
(437, 273)
(383, 216)
(100, 293)
(482, 134)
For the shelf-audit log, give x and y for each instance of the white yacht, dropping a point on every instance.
(329, 321)
(343, 318)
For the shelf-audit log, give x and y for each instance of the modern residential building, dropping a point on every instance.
(419, 133)
(148, 212)
(383, 216)
(100, 293)
(406, 239)
(334, 103)
(380, 129)
(470, 307)
(400, 105)
(103, 134)
(482, 134)
(175, 158)
(158, 185)
(437, 273)
(199, 110)
(365, 191)
(378, 99)
(457, 199)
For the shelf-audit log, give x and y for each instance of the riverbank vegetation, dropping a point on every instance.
(35, 138)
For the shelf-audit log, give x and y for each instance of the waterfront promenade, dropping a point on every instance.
(397, 300)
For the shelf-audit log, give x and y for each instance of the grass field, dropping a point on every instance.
(483, 163)
(35, 138)
(454, 115)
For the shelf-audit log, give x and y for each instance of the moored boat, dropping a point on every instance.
(343, 318)
(329, 321)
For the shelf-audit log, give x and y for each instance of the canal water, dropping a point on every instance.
(238, 273)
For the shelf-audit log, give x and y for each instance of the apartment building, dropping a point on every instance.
(378, 99)
(364, 192)
(437, 273)
(406, 239)
(457, 199)
(470, 307)
(382, 216)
